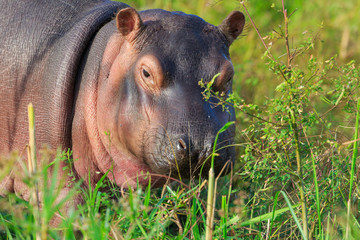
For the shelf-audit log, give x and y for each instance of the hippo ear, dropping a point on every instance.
(232, 25)
(128, 23)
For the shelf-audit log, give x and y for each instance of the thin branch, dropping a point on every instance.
(257, 31)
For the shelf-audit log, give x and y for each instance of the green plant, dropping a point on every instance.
(296, 132)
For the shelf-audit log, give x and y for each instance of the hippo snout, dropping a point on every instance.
(186, 149)
(186, 157)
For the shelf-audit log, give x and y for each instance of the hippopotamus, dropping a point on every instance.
(116, 86)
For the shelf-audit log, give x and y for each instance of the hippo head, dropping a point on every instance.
(152, 110)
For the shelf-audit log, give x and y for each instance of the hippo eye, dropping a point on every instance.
(148, 74)
(145, 73)
(223, 82)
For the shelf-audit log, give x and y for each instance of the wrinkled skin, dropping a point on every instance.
(130, 102)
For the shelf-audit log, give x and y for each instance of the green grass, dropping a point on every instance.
(296, 94)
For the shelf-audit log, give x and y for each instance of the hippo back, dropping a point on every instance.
(42, 43)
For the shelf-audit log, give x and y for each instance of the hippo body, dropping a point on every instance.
(42, 44)
(118, 87)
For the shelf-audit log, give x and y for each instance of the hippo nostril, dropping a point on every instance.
(181, 144)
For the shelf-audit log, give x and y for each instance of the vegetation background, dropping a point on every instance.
(296, 91)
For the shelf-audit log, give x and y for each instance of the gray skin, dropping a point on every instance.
(118, 87)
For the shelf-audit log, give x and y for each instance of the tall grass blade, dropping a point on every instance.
(34, 199)
(210, 205)
(224, 218)
(353, 165)
(32, 141)
(195, 226)
(223, 129)
(264, 217)
(327, 237)
(147, 198)
(294, 215)
(274, 209)
(317, 197)
(211, 187)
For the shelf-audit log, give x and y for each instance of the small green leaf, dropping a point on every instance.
(226, 126)
(209, 84)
